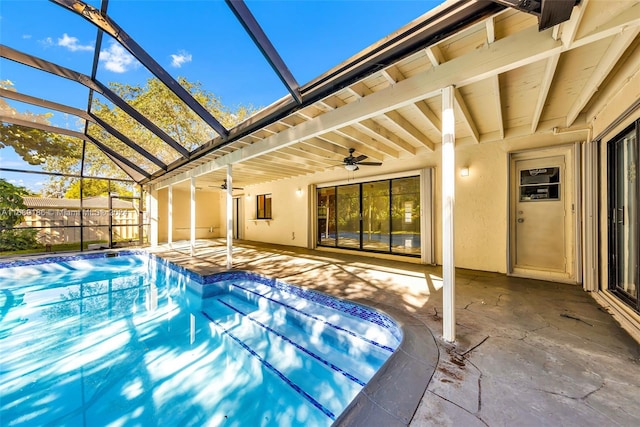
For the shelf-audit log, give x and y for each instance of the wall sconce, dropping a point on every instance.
(464, 171)
(299, 192)
(248, 195)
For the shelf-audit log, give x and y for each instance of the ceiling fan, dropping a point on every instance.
(224, 186)
(351, 163)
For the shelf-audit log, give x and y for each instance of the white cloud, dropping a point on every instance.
(117, 59)
(71, 43)
(26, 36)
(182, 57)
(46, 42)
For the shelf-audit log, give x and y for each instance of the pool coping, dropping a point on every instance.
(392, 395)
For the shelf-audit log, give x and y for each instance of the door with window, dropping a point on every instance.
(542, 215)
(623, 207)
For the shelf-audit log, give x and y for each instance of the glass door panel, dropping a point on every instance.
(624, 200)
(326, 217)
(405, 208)
(375, 216)
(348, 201)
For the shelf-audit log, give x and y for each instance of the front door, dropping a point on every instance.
(542, 212)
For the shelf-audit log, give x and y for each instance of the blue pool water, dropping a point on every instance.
(127, 340)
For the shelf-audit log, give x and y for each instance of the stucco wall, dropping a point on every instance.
(208, 224)
(289, 211)
(481, 209)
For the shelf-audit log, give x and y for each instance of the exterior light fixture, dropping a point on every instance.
(464, 171)
(299, 191)
(350, 167)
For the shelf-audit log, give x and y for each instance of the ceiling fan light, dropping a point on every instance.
(350, 167)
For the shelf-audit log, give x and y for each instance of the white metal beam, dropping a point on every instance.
(448, 202)
(170, 216)
(192, 219)
(229, 218)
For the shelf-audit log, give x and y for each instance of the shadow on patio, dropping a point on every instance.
(528, 352)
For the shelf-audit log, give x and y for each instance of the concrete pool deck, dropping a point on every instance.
(528, 352)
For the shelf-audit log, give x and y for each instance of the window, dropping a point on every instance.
(377, 216)
(263, 206)
(540, 184)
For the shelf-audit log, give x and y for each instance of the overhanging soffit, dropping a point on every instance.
(549, 12)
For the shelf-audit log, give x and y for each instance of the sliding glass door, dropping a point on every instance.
(377, 216)
(623, 216)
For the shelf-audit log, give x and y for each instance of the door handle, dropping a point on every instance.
(520, 220)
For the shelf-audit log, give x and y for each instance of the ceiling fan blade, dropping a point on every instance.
(370, 163)
(360, 158)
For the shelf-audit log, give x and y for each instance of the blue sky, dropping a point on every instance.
(199, 40)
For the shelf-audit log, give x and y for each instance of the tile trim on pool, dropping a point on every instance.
(357, 310)
(41, 260)
(272, 368)
(339, 328)
(298, 346)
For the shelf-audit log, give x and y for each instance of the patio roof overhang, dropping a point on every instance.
(511, 80)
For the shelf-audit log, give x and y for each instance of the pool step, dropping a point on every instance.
(283, 351)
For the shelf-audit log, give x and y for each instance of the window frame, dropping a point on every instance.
(267, 211)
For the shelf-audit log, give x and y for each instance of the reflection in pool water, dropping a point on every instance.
(126, 340)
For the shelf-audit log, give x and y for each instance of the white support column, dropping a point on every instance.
(152, 203)
(170, 216)
(448, 202)
(229, 218)
(192, 222)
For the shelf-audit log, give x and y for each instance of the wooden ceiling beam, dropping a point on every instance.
(426, 112)
(355, 134)
(410, 130)
(490, 26)
(465, 115)
(435, 55)
(498, 101)
(545, 86)
(378, 131)
(523, 48)
(347, 143)
(604, 67)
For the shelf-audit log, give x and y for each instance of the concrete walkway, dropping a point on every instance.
(528, 352)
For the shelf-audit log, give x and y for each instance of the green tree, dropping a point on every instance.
(95, 187)
(12, 208)
(63, 154)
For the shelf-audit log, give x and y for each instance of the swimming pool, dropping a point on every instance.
(133, 340)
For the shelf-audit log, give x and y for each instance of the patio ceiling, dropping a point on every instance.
(511, 79)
